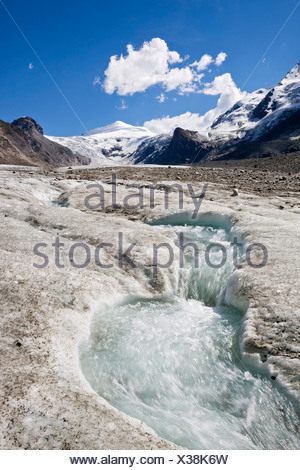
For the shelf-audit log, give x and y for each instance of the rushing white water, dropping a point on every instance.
(174, 363)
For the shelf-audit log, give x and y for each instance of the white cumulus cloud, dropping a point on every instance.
(144, 67)
(178, 78)
(166, 124)
(203, 63)
(220, 58)
(222, 85)
(153, 64)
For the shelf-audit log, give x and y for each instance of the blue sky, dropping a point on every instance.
(76, 40)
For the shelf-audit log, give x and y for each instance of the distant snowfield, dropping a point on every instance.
(111, 145)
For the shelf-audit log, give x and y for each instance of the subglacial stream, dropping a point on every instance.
(174, 363)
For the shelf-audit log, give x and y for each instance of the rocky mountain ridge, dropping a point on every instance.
(22, 143)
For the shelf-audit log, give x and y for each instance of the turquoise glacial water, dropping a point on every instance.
(174, 362)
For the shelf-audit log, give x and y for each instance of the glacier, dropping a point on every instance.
(110, 145)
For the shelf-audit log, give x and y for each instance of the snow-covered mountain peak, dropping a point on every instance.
(278, 103)
(293, 75)
(109, 145)
(122, 129)
(259, 111)
(235, 122)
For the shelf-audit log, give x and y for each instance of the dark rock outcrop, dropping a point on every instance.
(184, 147)
(23, 143)
(28, 124)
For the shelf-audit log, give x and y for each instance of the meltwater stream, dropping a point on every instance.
(174, 363)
